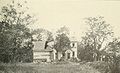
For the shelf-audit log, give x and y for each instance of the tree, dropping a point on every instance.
(16, 39)
(62, 41)
(40, 33)
(85, 53)
(63, 30)
(113, 50)
(98, 34)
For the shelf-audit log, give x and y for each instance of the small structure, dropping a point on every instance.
(43, 53)
(72, 52)
(69, 52)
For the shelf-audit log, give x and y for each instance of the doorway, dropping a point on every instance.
(68, 55)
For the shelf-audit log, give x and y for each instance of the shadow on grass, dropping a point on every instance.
(16, 69)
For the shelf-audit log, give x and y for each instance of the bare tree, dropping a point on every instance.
(98, 33)
(39, 33)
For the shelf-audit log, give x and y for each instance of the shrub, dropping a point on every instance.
(100, 66)
(74, 59)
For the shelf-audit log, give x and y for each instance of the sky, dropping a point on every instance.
(53, 14)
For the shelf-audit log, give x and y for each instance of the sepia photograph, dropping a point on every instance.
(59, 36)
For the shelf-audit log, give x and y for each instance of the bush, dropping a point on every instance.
(74, 59)
(100, 66)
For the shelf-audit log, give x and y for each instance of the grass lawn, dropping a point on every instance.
(46, 68)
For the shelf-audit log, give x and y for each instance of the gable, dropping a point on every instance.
(69, 50)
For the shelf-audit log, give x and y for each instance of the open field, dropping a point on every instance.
(46, 68)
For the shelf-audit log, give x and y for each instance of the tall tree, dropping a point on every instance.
(98, 34)
(16, 39)
(62, 41)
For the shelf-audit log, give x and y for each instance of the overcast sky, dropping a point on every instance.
(52, 14)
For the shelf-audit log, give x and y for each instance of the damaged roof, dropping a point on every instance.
(39, 46)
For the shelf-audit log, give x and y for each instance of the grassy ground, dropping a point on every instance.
(46, 68)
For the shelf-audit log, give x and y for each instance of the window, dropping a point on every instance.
(73, 45)
(73, 54)
(56, 55)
